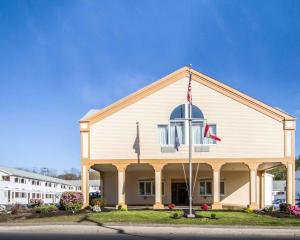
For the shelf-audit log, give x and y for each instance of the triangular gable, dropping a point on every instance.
(198, 77)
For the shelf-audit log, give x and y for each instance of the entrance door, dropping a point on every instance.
(179, 194)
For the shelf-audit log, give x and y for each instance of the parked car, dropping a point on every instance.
(277, 202)
(94, 195)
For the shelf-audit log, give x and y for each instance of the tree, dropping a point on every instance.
(297, 163)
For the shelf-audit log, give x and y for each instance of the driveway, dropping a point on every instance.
(155, 232)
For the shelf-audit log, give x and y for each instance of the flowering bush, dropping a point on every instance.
(15, 209)
(204, 207)
(294, 210)
(35, 202)
(171, 206)
(71, 201)
(98, 202)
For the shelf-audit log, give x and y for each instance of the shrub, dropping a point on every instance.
(283, 207)
(71, 201)
(121, 207)
(46, 208)
(171, 206)
(213, 216)
(294, 210)
(15, 209)
(204, 207)
(269, 209)
(249, 210)
(98, 202)
(175, 215)
(35, 202)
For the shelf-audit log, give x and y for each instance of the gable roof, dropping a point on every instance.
(198, 77)
(32, 175)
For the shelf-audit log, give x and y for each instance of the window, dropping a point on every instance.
(6, 178)
(33, 195)
(16, 180)
(33, 182)
(23, 195)
(147, 188)
(163, 134)
(213, 129)
(205, 188)
(179, 127)
(22, 180)
(17, 195)
(197, 130)
(222, 188)
(178, 123)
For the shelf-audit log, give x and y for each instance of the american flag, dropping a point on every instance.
(189, 92)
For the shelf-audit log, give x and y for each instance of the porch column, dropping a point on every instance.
(216, 187)
(290, 183)
(158, 196)
(85, 183)
(253, 187)
(121, 185)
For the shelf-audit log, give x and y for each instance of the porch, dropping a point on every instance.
(233, 184)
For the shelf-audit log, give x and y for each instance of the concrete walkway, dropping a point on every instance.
(88, 231)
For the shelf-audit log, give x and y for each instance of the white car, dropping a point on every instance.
(277, 202)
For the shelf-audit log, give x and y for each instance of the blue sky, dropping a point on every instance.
(62, 58)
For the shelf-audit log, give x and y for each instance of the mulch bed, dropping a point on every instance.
(31, 214)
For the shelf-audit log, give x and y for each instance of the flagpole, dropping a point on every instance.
(190, 215)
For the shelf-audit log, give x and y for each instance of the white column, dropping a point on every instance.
(121, 185)
(216, 189)
(85, 184)
(289, 183)
(158, 182)
(253, 188)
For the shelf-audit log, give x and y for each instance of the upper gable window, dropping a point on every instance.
(178, 112)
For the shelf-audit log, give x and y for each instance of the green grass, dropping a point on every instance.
(165, 217)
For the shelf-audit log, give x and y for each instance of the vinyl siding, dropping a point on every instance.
(244, 131)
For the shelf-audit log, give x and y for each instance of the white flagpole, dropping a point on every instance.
(190, 215)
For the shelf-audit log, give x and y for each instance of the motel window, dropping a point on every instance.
(147, 188)
(205, 188)
(6, 178)
(213, 130)
(16, 180)
(33, 182)
(17, 194)
(163, 134)
(38, 195)
(222, 188)
(23, 195)
(197, 131)
(178, 122)
(22, 180)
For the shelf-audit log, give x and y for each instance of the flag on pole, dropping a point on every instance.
(189, 92)
(208, 134)
(177, 143)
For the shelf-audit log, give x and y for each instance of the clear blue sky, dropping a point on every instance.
(58, 59)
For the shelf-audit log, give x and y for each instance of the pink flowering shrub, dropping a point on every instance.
(171, 206)
(71, 201)
(294, 210)
(36, 202)
(204, 207)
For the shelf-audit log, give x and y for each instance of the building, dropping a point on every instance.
(18, 186)
(131, 144)
(94, 185)
(279, 188)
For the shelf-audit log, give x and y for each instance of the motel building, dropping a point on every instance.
(131, 143)
(18, 186)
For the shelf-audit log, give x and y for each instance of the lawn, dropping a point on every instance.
(165, 217)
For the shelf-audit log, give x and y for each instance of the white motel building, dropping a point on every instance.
(131, 144)
(18, 186)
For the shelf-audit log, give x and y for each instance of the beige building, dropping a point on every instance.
(131, 143)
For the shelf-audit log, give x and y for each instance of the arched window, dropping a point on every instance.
(179, 121)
